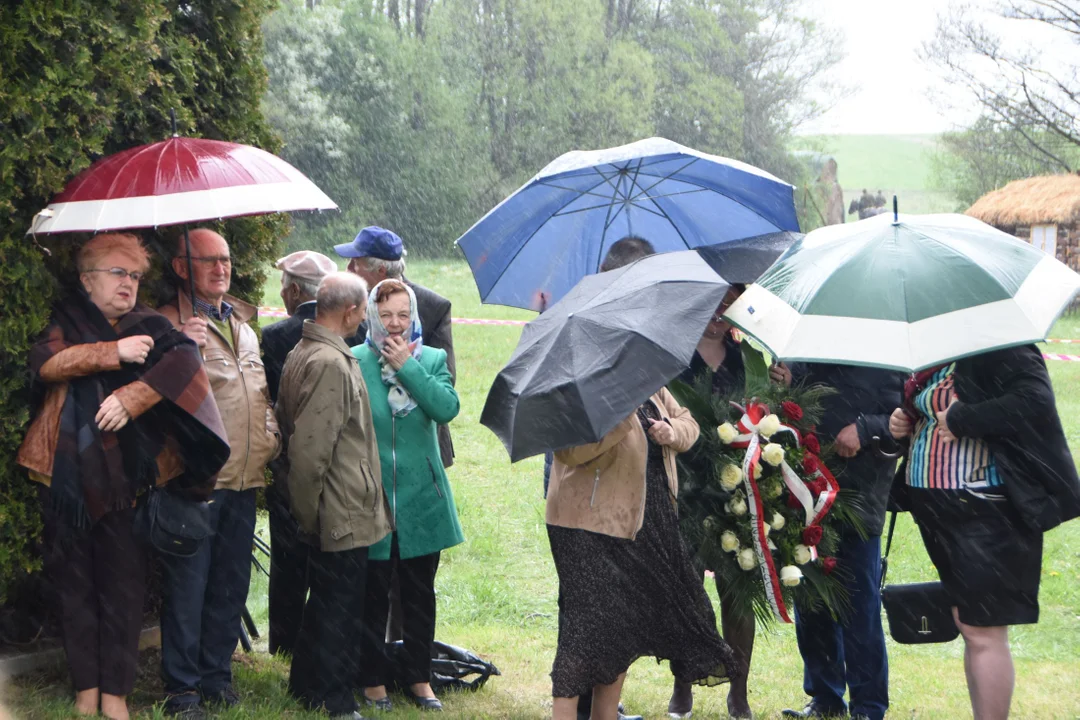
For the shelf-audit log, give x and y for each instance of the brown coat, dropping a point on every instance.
(39, 446)
(333, 480)
(601, 486)
(238, 381)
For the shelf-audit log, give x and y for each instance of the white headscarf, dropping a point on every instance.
(401, 403)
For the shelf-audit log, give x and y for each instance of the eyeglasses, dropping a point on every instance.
(213, 260)
(120, 273)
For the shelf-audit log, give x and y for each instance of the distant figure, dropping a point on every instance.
(834, 196)
(879, 199)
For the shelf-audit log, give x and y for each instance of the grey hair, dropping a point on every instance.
(339, 290)
(394, 268)
(308, 287)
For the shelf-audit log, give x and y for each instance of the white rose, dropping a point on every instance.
(769, 425)
(727, 433)
(730, 477)
(774, 491)
(790, 575)
(747, 559)
(778, 522)
(802, 554)
(773, 454)
(738, 507)
(729, 541)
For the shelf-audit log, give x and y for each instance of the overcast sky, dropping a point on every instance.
(890, 84)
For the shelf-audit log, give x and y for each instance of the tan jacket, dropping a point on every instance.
(332, 479)
(238, 381)
(601, 486)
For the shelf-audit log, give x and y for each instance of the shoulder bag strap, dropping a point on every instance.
(888, 546)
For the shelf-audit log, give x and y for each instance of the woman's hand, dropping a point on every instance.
(134, 349)
(780, 374)
(112, 415)
(947, 435)
(396, 351)
(661, 432)
(899, 424)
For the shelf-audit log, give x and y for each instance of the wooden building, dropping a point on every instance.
(1044, 210)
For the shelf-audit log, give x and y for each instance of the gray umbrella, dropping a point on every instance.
(744, 261)
(588, 362)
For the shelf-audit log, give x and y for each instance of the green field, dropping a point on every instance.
(894, 164)
(497, 592)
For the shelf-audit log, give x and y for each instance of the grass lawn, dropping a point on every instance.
(497, 592)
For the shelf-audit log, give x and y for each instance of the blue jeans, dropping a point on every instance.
(849, 654)
(204, 598)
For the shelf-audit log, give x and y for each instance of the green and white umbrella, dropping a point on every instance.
(904, 292)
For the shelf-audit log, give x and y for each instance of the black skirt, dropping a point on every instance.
(989, 561)
(623, 599)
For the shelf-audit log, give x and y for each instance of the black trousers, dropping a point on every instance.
(325, 662)
(97, 577)
(288, 575)
(416, 579)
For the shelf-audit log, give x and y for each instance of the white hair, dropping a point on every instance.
(308, 287)
(339, 290)
(394, 268)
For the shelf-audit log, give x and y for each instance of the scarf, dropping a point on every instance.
(914, 385)
(401, 402)
(96, 472)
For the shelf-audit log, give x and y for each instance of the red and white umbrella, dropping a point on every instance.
(179, 180)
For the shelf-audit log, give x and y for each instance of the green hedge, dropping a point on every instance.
(84, 78)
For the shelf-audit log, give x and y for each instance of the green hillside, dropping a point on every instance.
(895, 164)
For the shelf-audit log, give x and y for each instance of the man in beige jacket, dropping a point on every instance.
(334, 488)
(205, 594)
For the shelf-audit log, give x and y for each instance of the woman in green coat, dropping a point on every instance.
(411, 392)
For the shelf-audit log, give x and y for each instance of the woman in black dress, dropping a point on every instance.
(719, 356)
(627, 585)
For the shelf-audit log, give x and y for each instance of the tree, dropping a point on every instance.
(1036, 97)
(86, 78)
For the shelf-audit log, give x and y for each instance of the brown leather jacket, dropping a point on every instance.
(601, 486)
(39, 446)
(238, 381)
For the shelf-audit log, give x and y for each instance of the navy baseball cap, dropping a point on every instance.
(372, 241)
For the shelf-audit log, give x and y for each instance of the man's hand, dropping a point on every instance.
(847, 442)
(195, 328)
(396, 351)
(780, 374)
(112, 415)
(134, 349)
(661, 432)
(899, 424)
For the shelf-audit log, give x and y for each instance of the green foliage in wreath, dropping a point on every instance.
(713, 506)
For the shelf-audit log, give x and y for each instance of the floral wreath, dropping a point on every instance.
(766, 516)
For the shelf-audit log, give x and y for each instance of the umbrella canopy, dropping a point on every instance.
(179, 180)
(905, 293)
(588, 362)
(539, 242)
(744, 261)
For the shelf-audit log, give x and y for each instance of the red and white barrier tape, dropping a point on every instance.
(276, 312)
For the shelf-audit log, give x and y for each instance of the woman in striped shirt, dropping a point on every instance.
(989, 470)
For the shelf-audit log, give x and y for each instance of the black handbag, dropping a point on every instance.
(172, 524)
(918, 613)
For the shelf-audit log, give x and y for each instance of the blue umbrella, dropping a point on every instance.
(533, 247)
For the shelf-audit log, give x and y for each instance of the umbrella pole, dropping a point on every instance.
(190, 275)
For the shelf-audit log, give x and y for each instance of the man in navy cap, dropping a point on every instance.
(377, 254)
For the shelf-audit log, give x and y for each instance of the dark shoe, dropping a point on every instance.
(354, 715)
(815, 712)
(383, 704)
(186, 706)
(429, 704)
(860, 716)
(227, 697)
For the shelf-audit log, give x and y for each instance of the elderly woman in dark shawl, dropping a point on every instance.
(118, 396)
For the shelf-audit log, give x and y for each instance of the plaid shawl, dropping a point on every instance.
(95, 472)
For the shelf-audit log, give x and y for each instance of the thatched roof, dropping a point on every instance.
(1037, 200)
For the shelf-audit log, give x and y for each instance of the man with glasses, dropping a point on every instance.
(205, 594)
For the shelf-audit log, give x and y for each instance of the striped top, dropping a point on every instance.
(964, 464)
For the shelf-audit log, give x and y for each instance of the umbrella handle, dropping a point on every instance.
(875, 443)
(190, 275)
